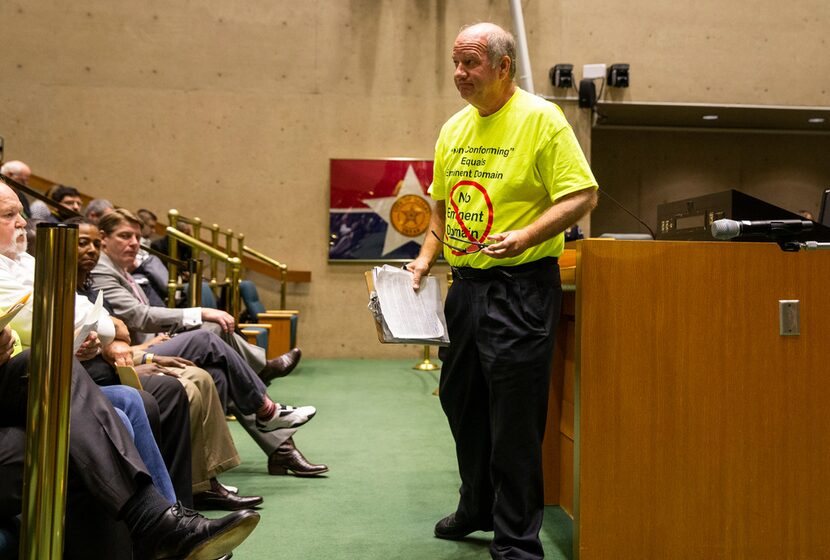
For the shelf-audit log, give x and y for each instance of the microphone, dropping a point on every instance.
(627, 211)
(727, 229)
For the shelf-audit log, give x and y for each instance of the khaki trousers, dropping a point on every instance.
(211, 443)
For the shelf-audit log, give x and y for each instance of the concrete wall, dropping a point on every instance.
(231, 111)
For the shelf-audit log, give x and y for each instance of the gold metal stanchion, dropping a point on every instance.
(426, 364)
(173, 251)
(50, 382)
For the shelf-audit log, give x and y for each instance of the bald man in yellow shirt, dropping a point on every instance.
(509, 178)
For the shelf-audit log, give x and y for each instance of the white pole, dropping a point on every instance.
(524, 76)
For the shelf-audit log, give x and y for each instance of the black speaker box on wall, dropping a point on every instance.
(587, 93)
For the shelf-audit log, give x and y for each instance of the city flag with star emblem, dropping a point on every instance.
(379, 209)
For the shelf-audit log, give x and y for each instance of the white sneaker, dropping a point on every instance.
(286, 416)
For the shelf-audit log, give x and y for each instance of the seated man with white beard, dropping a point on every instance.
(101, 453)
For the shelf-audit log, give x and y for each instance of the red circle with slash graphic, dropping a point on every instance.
(464, 228)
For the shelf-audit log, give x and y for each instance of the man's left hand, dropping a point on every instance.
(172, 361)
(218, 316)
(507, 244)
(6, 345)
(118, 353)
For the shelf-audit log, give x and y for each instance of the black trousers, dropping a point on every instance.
(234, 378)
(168, 410)
(101, 450)
(494, 390)
(105, 468)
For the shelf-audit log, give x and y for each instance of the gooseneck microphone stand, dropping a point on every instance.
(814, 246)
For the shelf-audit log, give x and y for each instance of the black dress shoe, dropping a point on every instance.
(224, 500)
(281, 366)
(288, 459)
(454, 527)
(182, 533)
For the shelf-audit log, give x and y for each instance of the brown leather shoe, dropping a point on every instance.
(281, 366)
(288, 459)
(228, 501)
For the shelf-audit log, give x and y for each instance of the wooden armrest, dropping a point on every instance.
(265, 317)
(279, 336)
(244, 326)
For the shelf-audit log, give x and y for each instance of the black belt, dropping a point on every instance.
(469, 273)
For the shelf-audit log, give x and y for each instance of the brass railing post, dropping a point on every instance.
(195, 299)
(275, 264)
(195, 254)
(240, 246)
(283, 285)
(228, 243)
(50, 382)
(233, 265)
(234, 303)
(173, 251)
(197, 227)
(214, 262)
(226, 282)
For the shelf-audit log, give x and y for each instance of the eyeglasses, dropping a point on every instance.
(472, 246)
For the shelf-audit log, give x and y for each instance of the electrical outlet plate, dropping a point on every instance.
(789, 322)
(592, 71)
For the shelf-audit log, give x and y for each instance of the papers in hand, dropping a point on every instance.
(404, 315)
(89, 323)
(13, 310)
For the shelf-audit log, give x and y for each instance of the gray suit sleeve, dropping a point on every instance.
(126, 306)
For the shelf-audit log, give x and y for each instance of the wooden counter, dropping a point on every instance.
(681, 424)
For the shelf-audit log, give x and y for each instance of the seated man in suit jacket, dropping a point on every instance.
(231, 367)
(121, 242)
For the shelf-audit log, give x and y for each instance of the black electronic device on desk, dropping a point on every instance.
(691, 219)
(824, 214)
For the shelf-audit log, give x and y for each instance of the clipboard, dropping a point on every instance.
(384, 334)
(129, 377)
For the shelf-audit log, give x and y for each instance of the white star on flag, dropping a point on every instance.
(383, 208)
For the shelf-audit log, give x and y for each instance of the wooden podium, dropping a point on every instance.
(681, 423)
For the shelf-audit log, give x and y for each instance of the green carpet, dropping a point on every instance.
(393, 473)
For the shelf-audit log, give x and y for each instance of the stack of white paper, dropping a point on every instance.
(410, 316)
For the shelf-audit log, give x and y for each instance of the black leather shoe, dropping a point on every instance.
(182, 533)
(454, 527)
(224, 500)
(281, 366)
(287, 459)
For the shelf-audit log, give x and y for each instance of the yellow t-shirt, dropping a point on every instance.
(501, 172)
